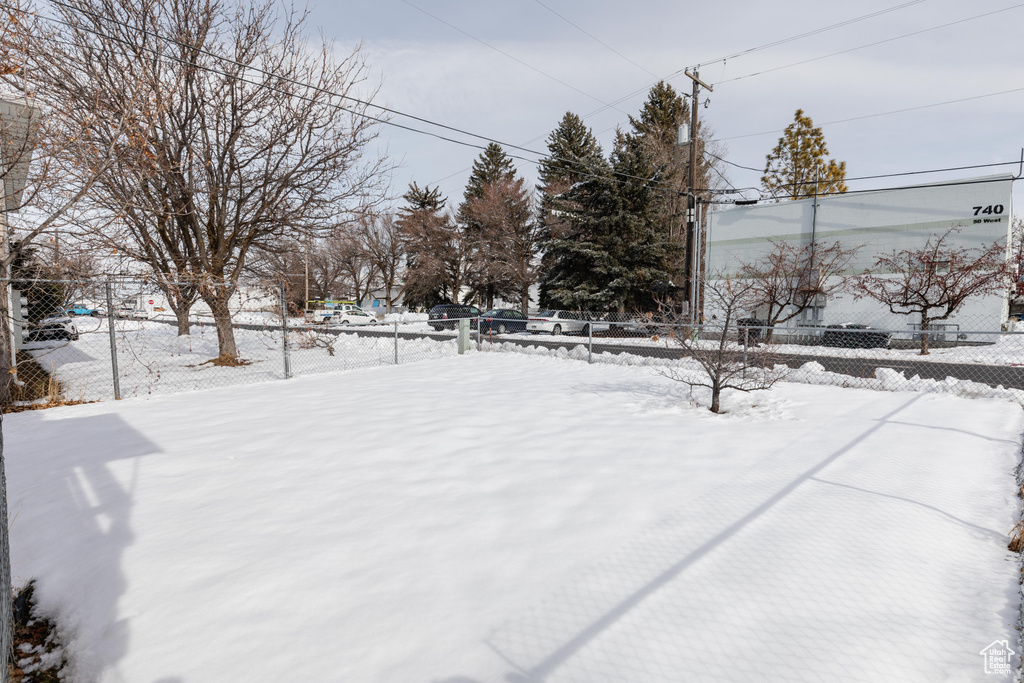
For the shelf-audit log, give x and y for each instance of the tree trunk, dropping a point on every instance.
(217, 300)
(181, 312)
(925, 322)
(524, 301)
(716, 393)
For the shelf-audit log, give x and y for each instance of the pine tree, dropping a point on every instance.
(661, 115)
(492, 164)
(614, 252)
(799, 166)
(571, 147)
(491, 167)
(419, 199)
(433, 246)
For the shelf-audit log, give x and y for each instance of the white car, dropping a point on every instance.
(557, 322)
(58, 328)
(351, 316)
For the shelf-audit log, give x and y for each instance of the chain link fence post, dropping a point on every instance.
(590, 342)
(113, 342)
(396, 342)
(284, 333)
(6, 590)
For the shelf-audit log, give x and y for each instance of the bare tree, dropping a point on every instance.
(789, 279)
(381, 240)
(935, 281)
(48, 161)
(246, 134)
(510, 236)
(357, 269)
(722, 362)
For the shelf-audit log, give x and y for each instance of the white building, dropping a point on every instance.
(879, 222)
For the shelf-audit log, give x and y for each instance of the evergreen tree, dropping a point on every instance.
(427, 234)
(613, 251)
(571, 147)
(799, 166)
(661, 115)
(491, 167)
(492, 164)
(419, 199)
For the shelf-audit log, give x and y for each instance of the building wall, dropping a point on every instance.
(878, 222)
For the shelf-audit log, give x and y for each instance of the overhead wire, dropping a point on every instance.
(598, 40)
(884, 113)
(467, 144)
(512, 57)
(867, 45)
(312, 87)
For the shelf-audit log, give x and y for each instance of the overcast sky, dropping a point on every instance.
(509, 71)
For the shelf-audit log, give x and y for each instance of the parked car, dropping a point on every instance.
(502, 320)
(351, 316)
(756, 330)
(446, 316)
(132, 313)
(81, 309)
(53, 328)
(558, 322)
(854, 336)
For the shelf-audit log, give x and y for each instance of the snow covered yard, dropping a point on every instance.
(502, 517)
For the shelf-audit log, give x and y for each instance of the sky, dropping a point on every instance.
(508, 71)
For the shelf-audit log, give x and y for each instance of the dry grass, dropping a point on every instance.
(34, 636)
(1016, 543)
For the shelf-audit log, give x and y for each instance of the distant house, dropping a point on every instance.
(878, 222)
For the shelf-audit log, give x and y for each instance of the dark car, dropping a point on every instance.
(502, 320)
(446, 316)
(854, 336)
(756, 330)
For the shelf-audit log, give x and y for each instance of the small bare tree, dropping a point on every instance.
(935, 281)
(789, 279)
(723, 362)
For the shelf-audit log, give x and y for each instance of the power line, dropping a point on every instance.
(807, 34)
(885, 175)
(616, 174)
(598, 40)
(774, 43)
(867, 45)
(885, 113)
(510, 56)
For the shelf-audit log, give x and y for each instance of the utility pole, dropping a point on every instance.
(691, 200)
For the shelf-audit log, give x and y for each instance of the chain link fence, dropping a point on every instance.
(101, 340)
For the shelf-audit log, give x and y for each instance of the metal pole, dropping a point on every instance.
(590, 342)
(284, 334)
(396, 342)
(113, 342)
(745, 342)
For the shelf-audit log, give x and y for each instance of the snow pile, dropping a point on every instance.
(581, 522)
(812, 372)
